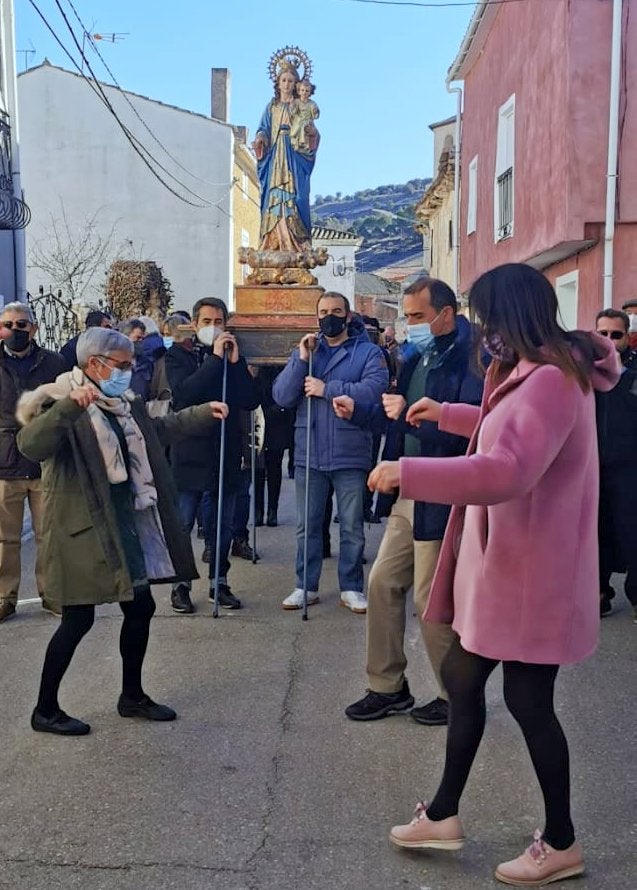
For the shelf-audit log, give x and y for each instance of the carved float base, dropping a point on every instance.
(269, 321)
(282, 276)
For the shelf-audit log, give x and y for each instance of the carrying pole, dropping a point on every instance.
(222, 466)
(253, 487)
(306, 506)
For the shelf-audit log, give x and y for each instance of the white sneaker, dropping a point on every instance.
(354, 600)
(295, 599)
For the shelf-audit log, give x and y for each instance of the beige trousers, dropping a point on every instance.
(401, 563)
(13, 493)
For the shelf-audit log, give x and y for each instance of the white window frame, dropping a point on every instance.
(562, 281)
(245, 185)
(472, 196)
(504, 161)
(245, 242)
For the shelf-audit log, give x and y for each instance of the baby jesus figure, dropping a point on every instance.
(304, 113)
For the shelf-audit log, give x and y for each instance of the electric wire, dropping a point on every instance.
(124, 129)
(135, 111)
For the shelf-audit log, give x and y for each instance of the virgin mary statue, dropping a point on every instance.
(284, 172)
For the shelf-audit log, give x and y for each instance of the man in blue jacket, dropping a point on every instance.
(438, 364)
(345, 362)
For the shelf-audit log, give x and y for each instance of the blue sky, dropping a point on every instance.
(379, 70)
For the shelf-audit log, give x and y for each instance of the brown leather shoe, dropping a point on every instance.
(7, 610)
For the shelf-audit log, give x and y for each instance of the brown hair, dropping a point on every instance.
(518, 303)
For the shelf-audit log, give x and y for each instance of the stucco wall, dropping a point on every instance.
(246, 213)
(339, 273)
(441, 253)
(73, 152)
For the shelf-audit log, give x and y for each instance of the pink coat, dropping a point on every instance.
(517, 574)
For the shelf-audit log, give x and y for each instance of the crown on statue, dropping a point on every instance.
(290, 58)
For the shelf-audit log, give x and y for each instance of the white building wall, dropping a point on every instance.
(73, 153)
(340, 272)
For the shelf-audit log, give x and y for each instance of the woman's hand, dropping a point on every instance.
(393, 404)
(343, 407)
(423, 409)
(385, 477)
(84, 396)
(219, 410)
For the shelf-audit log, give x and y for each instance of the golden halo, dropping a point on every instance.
(293, 56)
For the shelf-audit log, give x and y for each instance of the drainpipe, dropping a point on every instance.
(455, 248)
(11, 89)
(613, 131)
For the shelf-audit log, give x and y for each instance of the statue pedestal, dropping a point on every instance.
(269, 320)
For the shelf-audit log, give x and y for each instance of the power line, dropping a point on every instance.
(445, 5)
(131, 137)
(134, 110)
(104, 99)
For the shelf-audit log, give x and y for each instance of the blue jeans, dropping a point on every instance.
(189, 504)
(348, 486)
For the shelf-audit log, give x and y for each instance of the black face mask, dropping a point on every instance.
(18, 340)
(332, 325)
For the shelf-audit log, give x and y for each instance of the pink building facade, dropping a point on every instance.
(534, 147)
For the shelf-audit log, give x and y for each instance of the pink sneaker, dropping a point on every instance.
(541, 864)
(422, 833)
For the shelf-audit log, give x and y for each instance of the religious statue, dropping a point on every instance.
(285, 146)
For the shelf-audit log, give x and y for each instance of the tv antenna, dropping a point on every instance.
(26, 53)
(109, 37)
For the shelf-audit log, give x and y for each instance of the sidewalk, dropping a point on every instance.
(263, 784)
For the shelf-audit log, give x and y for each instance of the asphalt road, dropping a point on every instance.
(262, 783)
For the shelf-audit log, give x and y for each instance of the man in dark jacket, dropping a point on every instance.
(438, 365)
(617, 437)
(345, 362)
(23, 366)
(94, 319)
(195, 375)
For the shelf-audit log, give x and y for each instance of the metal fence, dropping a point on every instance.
(57, 321)
(505, 204)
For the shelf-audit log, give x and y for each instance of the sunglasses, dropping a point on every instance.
(21, 324)
(614, 335)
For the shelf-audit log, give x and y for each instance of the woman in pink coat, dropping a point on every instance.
(517, 574)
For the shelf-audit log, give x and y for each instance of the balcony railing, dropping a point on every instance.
(14, 213)
(505, 204)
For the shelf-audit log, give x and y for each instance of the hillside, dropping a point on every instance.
(383, 216)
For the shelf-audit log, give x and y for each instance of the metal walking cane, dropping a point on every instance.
(222, 466)
(253, 488)
(306, 506)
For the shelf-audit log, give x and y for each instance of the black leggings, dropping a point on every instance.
(75, 624)
(528, 693)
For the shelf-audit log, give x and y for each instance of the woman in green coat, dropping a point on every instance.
(111, 525)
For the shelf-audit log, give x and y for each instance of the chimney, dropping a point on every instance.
(220, 94)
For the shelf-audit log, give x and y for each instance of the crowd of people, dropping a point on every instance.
(502, 434)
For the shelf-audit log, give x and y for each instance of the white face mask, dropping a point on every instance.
(632, 327)
(208, 334)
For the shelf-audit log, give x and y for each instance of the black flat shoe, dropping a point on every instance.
(147, 709)
(273, 519)
(59, 724)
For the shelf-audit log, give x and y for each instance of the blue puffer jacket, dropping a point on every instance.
(357, 369)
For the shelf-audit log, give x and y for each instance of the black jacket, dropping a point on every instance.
(195, 378)
(279, 422)
(452, 377)
(46, 367)
(617, 422)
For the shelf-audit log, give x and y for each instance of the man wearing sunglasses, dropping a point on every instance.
(617, 434)
(616, 324)
(23, 366)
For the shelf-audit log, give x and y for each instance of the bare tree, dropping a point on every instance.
(71, 255)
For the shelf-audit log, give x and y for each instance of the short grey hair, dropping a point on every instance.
(129, 325)
(22, 308)
(101, 341)
(173, 322)
(150, 325)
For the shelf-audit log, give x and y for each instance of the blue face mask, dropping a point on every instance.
(420, 335)
(168, 341)
(117, 384)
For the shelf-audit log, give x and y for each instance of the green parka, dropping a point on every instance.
(83, 556)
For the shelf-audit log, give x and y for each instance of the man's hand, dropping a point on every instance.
(394, 405)
(343, 407)
(307, 345)
(314, 387)
(84, 396)
(385, 477)
(423, 409)
(224, 341)
(219, 410)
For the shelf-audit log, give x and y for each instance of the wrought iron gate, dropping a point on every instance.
(57, 321)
